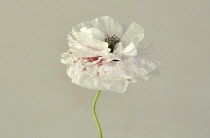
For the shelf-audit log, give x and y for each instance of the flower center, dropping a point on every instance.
(112, 41)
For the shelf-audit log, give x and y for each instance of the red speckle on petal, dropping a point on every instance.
(100, 63)
(84, 69)
(98, 73)
(90, 59)
(92, 47)
(129, 80)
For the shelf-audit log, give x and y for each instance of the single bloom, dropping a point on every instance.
(102, 57)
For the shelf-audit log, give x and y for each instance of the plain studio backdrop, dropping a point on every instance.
(38, 100)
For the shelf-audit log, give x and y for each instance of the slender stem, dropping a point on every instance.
(94, 113)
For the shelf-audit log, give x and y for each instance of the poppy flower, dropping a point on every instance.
(104, 57)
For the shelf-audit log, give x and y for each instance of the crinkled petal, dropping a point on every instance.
(134, 34)
(87, 40)
(85, 80)
(130, 68)
(82, 51)
(67, 58)
(138, 66)
(105, 23)
(94, 32)
(86, 46)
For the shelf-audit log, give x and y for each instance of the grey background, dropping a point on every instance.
(37, 100)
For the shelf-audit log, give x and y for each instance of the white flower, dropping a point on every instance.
(101, 57)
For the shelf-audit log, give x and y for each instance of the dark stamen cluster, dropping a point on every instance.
(113, 38)
(112, 41)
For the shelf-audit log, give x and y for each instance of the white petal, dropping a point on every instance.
(70, 39)
(113, 56)
(113, 76)
(118, 49)
(67, 58)
(94, 32)
(85, 80)
(105, 23)
(104, 53)
(129, 51)
(80, 50)
(134, 34)
(139, 67)
(129, 68)
(87, 40)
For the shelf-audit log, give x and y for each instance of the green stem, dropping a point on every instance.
(94, 113)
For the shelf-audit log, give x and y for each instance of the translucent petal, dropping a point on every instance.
(105, 23)
(130, 68)
(134, 34)
(85, 80)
